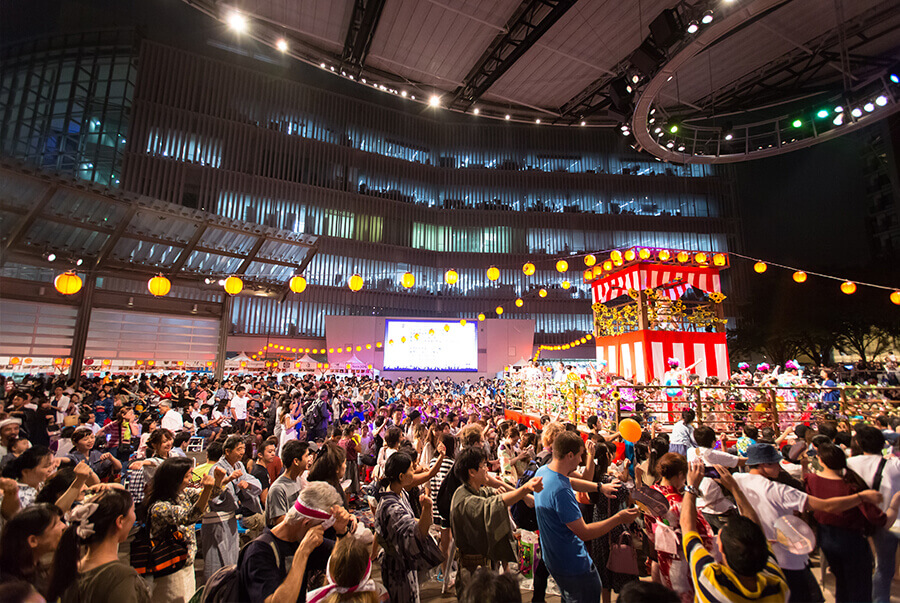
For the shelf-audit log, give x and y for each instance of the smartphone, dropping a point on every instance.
(711, 472)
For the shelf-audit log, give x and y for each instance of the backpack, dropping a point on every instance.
(445, 493)
(224, 586)
(314, 416)
(524, 516)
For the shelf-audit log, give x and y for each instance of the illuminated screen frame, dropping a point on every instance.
(438, 326)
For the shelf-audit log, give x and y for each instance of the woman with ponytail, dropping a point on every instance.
(348, 576)
(843, 536)
(86, 566)
(407, 545)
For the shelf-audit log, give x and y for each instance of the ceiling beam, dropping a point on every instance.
(360, 31)
(530, 21)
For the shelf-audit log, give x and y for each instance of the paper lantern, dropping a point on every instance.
(895, 297)
(358, 348)
(181, 363)
(403, 339)
(390, 342)
(431, 331)
(57, 361)
(588, 336)
(683, 256)
(528, 269)
(107, 362)
(140, 362)
(151, 362)
(848, 287)
(159, 286)
(67, 283)
(588, 274)
(233, 285)
(408, 280)
(565, 284)
(719, 259)
(369, 366)
(340, 350)
(331, 350)
(356, 282)
(664, 255)
(451, 276)
(15, 360)
(446, 328)
(616, 256)
(700, 258)
(462, 322)
(630, 430)
(590, 259)
(542, 293)
(607, 265)
(520, 302)
(499, 310)
(760, 267)
(799, 277)
(378, 345)
(208, 364)
(644, 254)
(298, 284)
(481, 317)
(629, 255)
(493, 273)
(562, 266)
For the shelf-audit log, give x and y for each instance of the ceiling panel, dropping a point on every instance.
(320, 22)
(436, 42)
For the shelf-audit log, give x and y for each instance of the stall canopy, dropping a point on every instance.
(671, 280)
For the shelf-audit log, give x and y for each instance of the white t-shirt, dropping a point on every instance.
(866, 465)
(173, 421)
(239, 406)
(712, 457)
(63, 405)
(772, 500)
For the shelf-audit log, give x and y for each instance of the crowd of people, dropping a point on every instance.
(296, 487)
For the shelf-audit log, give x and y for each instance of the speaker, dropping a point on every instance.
(647, 58)
(666, 28)
(619, 95)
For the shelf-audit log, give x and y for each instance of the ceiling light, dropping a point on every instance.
(625, 132)
(693, 27)
(729, 136)
(797, 123)
(403, 93)
(507, 117)
(435, 100)
(857, 112)
(538, 121)
(894, 78)
(635, 78)
(839, 109)
(673, 128)
(839, 120)
(584, 123)
(681, 148)
(322, 65)
(822, 114)
(412, 96)
(707, 17)
(79, 262)
(629, 89)
(236, 21)
(881, 100)
(670, 144)
(281, 45)
(869, 107)
(651, 120)
(362, 79)
(51, 257)
(476, 110)
(652, 111)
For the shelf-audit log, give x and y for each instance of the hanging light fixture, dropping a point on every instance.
(590, 259)
(528, 269)
(67, 283)
(233, 285)
(159, 286)
(356, 282)
(298, 284)
(408, 280)
(451, 276)
(493, 273)
(760, 267)
(562, 266)
(848, 287)
(799, 277)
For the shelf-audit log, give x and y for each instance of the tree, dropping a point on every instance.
(861, 336)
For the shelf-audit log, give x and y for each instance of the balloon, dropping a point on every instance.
(630, 430)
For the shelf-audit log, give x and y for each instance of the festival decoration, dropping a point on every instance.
(233, 285)
(356, 282)
(159, 286)
(799, 277)
(67, 283)
(298, 284)
(848, 287)
(408, 280)
(451, 276)
(760, 267)
(520, 302)
(562, 266)
(493, 273)
(590, 259)
(542, 293)
(630, 430)
(528, 269)
(895, 297)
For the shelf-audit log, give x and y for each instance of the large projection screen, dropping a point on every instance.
(441, 345)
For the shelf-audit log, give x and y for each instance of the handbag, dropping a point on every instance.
(622, 556)
(158, 557)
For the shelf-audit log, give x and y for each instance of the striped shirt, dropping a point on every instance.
(715, 582)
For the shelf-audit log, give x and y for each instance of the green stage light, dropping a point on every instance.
(797, 123)
(822, 114)
(673, 128)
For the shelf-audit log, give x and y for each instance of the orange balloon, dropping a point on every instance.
(630, 430)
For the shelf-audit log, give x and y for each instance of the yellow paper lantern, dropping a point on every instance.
(528, 269)
(209, 363)
(664, 255)
(700, 258)
(493, 273)
(683, 256)
(644, 254)
(895, 297)
(369, 366)
(359, 348)
(499, 310)
(431, 331)
(799, 277)
(408, 280)
(57, 361)
(390, 342)
(760, 267)
(607, 265)
(159, 286)
(630, 255)
(590, 259)
(378, 345)
(542, 293)
(15, 360)
(403, 339)
(588, 274)
(356, 282)
(233, 285)
(616, 256)
(67, 283)
(140, 363)
(331, 350)
(298, 284)
(462, 322)
(340, 350)
(151, 362)
(562, 266)
(520, 302)
(447, 328)
(719, 259)
(848, 287)
(481, 317)
(451, 276)
(565, 284)
(368, 346)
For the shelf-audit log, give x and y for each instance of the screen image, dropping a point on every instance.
(442, 345)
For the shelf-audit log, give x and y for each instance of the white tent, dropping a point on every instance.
(305, 362)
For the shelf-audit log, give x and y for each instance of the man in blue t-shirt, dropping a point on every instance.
(562, 528)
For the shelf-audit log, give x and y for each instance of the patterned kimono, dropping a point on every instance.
(219, 536)
(398, 530)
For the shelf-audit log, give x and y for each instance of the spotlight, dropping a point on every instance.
(673, 128)
(729, 136)
(856, 112)
(869, 107)
(538, 121)
(79, 262)
(839, 120)
(281, 45)
(797, 123)
(707, 17)
(403, 93)
(839, 109)
(435, 100)
(635, 78)
(670, 144)
(822, 114)
(625, 132)
(693, 27)
(681, 148)
(51, 257)
(584, 123)
(657, 130)
(322, 65)
(506, 117)
(881, 100)
(236, 21)
(894, 78)
(476, 110)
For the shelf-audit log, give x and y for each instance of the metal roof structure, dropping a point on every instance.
(589, 62)
(118, 234)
